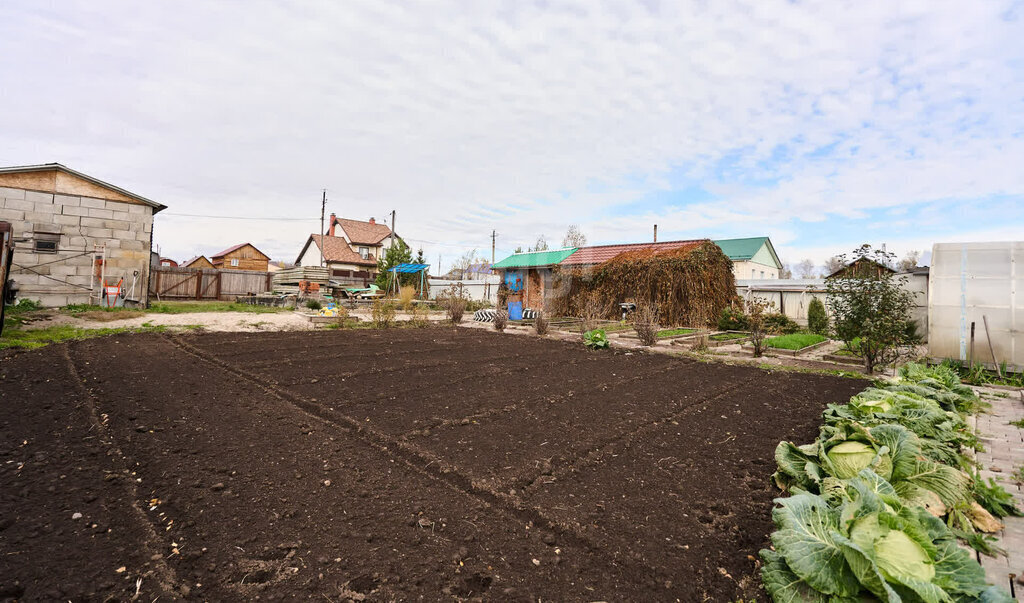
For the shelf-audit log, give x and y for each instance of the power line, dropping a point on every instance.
(238, 217)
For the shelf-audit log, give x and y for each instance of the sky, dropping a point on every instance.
(823, 125)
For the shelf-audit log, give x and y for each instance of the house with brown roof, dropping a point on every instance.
(199, 262)
(243, 256)
(350, 249)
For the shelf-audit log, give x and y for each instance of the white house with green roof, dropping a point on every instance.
(752, 258)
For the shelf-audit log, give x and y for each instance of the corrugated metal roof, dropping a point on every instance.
(535, 259)
(741, 249)
(602, 253)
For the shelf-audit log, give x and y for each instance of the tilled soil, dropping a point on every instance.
(388, 465)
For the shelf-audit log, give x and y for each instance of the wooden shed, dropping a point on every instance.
(240, 257)
(199, 261)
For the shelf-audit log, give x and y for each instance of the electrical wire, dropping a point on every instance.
(240, 217)
(46, 276)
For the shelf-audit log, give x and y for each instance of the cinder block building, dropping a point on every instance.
(72, 231)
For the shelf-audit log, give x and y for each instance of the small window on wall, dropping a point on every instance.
(364, 252)
(753, 273)
(762, 274)
(234, 263)
(45, 242)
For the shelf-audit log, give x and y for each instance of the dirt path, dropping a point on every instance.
(388, 465)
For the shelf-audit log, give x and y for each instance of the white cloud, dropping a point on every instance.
(520, 117)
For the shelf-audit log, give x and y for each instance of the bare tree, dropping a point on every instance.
(464, 261)
(909, 261)
(786, 272)
(574, 237)
(806, 269)
(833, 264)
(541, 245)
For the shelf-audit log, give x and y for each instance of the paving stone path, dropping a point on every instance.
(1003, 457)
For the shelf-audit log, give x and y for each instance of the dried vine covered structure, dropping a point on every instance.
(688, 285)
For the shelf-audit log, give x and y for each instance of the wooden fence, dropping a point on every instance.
(166, 282)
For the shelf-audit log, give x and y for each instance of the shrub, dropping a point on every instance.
(419, 317)
(645, 323)
(780, 324)
(817, 319)
(405, 297)
(313, 304)
(454, 302)
(500, 319)
(540, 325)
(756, 315)
(732, 319)
(591, 312)
(383, 313)
(873, 305)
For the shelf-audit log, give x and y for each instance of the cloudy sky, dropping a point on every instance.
(820, 124)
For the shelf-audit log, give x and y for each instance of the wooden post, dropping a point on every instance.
(991, 349)
(970, 355)
(157, 290)
(199, 285)
(270, 282)
(219, 276)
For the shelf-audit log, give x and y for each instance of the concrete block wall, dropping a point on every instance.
(57, 279)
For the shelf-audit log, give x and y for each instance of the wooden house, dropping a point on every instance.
(861, 268)
(241, 257)
(199, 262)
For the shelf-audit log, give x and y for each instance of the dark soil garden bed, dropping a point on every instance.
(388, 465)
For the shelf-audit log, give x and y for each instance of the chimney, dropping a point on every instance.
(330, 231)
(655, 233)
(372, 221)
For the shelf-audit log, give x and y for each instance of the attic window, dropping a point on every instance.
(45, 242)
(364, 252)
(234, 263)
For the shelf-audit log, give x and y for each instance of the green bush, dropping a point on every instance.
(313, 304)
(817, 319)
(732, 320)
(780, 323)
(595, 339)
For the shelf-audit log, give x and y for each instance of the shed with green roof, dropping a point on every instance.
(528, 278)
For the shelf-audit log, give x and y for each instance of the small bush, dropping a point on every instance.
(313, 304)
(405, 297)
(540, 325)
(591, 312)
(756, 319)
(500, 319)
(645, 323)
(383, 313)
(419, 318)
(778, 323)
(732, 320)
(454, 301)
(817, 318)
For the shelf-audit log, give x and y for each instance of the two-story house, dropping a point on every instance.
(350, 249)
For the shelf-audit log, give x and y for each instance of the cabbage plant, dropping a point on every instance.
(864, 544)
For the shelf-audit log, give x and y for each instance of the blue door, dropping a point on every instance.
(515, 310)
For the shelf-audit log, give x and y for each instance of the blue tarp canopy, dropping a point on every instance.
(408, 268)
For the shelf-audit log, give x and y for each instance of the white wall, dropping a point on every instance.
(971, 282)
(478, 290)
(741, 270)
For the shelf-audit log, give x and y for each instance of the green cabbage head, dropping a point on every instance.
(896, 554)
(850, 457)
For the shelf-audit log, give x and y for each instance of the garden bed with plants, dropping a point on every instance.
(667, 334)
(389, 464)
(794, 344)
(881, 498)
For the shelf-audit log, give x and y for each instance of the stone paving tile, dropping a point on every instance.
(1004, 453)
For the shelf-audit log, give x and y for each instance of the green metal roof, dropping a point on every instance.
(535, 259)
(745, 249)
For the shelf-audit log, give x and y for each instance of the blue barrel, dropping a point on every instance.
(515, 310)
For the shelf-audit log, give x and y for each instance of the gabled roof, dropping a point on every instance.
(364, 233)
(535, 259)
(336, 250)
(596, 254)
(191, 261)
(860, 262)
(739, 250)
(234, 248)
(50, 167)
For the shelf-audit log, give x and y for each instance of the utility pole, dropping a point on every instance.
(394, 234)
(494, 236)
(439, 264)
(323, 206)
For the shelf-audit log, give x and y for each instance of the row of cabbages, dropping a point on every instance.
(878, 500)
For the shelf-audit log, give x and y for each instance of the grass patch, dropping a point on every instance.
(1018, 423)
(727, 336)
(672, 332)
(36, 338)
(186, 307)
(794, 341)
